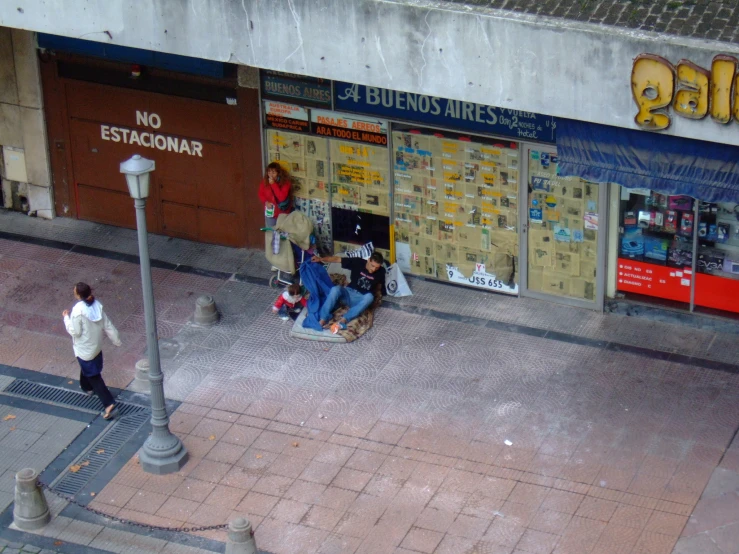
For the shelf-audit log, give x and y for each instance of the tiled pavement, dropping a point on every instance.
(20, 548)
(32, 440)
(399, 442)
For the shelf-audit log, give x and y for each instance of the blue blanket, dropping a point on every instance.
(319, 284)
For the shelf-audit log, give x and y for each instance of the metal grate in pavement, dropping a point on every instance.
(100, 453)
(65, 397)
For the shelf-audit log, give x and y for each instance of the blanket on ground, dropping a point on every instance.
(317, 280)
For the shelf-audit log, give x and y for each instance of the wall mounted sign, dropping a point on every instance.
(434, 111)
(688, 89)
(304, 90)
(349, 127)
(151, 139)
(325, 123)
(288, 117)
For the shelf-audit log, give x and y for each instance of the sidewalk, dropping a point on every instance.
(398, 442)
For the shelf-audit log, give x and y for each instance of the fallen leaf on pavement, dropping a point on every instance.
(259, 456)
(101, 451)
(8, 417)
(92, 494)
(58, 543)
(12, 428)
(212, 438)
(75, 468)
(295, 444)
(70, 382)
(85, 463)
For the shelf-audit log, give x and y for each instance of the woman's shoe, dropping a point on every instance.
(112, 414)
(87, 392)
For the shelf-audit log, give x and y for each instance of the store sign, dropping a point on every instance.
(454, 114)
(688, 89)
(349, 127)
(288, 117)
(654, 280)
(324, 123)
(480, 278)
(151, 139)
(298, 88)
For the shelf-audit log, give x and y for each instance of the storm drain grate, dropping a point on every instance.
(65, 397)
(102, 451)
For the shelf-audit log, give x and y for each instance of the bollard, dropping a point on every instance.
(240, 538)
(30, 511)
(205, 310)
(140, 381)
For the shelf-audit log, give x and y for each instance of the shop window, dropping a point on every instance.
(341, 186)
(656, 244)
(305, 158)
(657, 248)
(563, 230)
(717, 263)
(456, 208)
(360, 196)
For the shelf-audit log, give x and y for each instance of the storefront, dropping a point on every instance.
(674, 238)
(189, 116)
(451, 190)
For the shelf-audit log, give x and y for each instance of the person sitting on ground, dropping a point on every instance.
(288, 302)
(366, 277)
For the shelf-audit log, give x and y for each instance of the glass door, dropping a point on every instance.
(563, 253)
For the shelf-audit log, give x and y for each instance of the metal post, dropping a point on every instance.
(162, 452)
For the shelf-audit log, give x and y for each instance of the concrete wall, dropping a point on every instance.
(517, 61)
(24, 163)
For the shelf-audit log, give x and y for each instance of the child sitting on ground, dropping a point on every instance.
(288, 302)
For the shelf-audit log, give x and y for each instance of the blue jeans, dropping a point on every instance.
(355, 300)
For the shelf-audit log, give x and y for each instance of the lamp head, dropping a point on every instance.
(137, 170)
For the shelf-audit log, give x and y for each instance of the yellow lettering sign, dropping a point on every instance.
(723, 72)
(691, 99)
(652, 87)
(692, 91)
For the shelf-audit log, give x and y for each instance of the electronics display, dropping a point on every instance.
(660, 230)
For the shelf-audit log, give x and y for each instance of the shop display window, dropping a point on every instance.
(563, 230)
(657, 248)
(360, 196)
(717, 258)
(456, 207)
(336, 183)
(305, 158)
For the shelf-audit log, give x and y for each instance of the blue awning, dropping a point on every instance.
(640, 159)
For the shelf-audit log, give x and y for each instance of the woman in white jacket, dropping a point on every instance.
(86, 324)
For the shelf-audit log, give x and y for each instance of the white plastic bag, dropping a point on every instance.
(395, 282)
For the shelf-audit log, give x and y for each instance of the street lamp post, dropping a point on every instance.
(162, 452)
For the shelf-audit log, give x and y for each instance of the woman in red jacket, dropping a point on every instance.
(274, 192)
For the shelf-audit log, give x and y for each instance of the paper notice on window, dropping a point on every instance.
(591, 221)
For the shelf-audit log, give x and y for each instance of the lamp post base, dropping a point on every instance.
(162, 459)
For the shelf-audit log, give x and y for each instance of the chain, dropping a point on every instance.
(71, 500)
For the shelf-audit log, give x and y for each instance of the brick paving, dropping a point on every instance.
(703, 19)
(427, 435)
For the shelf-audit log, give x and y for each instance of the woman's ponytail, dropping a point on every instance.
(84, 291)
